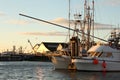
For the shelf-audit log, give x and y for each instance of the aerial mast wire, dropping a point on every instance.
(93, 20)
(88, 20)
(69, 19)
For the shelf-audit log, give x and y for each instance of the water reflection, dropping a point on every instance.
(46, 71)
(77, 75)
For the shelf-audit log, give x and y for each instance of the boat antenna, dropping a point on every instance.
(69, 19)
(93, 20)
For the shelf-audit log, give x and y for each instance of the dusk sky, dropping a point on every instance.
(16, 29)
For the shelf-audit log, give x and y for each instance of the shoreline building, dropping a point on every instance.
(45, 47)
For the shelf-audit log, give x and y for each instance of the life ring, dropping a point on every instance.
(95, 61)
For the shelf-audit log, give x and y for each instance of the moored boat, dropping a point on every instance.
(101, 58)
(104, 57)
(99, 61)
(61, 61)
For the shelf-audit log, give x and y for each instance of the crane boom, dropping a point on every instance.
(59, 26)
(31, 46)
(30, 43)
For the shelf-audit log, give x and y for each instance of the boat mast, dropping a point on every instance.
(84, 24)
(88, 19)
(89, 26)
(114, 39)
(93, 21)
(69, 19)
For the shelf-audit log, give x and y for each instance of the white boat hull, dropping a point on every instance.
(88, 65)
(61, 62)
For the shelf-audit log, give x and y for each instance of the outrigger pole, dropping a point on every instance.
(59, 25)
(69, 19)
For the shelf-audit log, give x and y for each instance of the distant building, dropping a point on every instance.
(45, 47)
(62, 46)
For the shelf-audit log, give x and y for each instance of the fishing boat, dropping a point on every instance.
(82, 53)
(101, 57)
(87, 57)
(78, 43)
(61, 62)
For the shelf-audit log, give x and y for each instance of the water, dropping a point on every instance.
(45, 71)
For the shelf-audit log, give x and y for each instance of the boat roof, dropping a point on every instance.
(102, 48)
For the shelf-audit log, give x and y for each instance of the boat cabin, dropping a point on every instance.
(103, 51)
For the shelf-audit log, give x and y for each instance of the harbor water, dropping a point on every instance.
(45, 71)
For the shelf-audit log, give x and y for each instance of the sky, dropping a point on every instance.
(16, 29)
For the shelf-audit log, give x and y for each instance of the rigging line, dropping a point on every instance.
(107, 35)
(69, 19)
(60, 26)
(93, 19)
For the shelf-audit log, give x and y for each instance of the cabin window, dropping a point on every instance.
(90, 54)
(95, 54)
(107, 55)
(98, 54)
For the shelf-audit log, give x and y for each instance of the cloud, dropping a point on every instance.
(15, 21)
(65, 22)
(104, 26)
(60, 20)
(112, 2)
(2, 14)
(45, 33)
